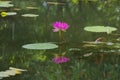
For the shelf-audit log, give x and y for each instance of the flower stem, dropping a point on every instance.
(60, 35)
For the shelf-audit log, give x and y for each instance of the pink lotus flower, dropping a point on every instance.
(63, 26)
(61, 59)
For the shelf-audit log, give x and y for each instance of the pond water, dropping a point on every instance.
(87, 55)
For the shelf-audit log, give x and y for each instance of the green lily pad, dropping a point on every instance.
(6, 4)
(10, 72)
(40, 46)
(30, 7)
(117, 45)
(118, 39)
(100, 29)
(11, 13)
(30, 15)
(3, 74)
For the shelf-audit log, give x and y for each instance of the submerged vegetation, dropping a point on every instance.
(83, 52)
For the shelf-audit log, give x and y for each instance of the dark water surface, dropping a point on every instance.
(17, 30)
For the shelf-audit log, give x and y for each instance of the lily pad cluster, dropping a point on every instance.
(11, 72)
(99, 42)
(8, 4)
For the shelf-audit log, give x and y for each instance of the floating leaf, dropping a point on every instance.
(100, 29)
(118, 39)
(30, 15)
(89, 45)
(55, 3)
(88, 54)
(3, 74)
(74, 49)
(11, 13)
(117, 45)
(11, 72)
(92, 42)
(111, 51)
(4, 14)
(17, 9)
(40, 46)
(12, 68)
(6, 4)
(30, 7)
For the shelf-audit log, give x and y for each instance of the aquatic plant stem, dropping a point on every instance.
(60, 41)
(60, 72)
(60, 35)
